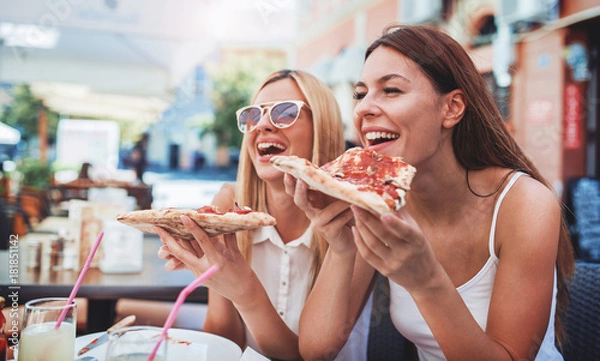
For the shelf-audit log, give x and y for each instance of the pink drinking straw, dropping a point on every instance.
(180, 299)
(86, 266)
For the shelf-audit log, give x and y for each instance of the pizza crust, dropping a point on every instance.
(320, 180)
(212, 223)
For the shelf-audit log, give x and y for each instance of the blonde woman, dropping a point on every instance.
(265, 275)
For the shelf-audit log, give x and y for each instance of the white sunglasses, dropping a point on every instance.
(281, 114)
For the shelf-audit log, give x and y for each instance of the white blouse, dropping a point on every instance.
(285, 272)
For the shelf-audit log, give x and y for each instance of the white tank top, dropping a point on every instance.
(476, 293)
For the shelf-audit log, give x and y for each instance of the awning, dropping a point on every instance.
(9, 135)
(126, 59)
(587, 14)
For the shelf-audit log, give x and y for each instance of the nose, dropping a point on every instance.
(264, 124)
(365, 108)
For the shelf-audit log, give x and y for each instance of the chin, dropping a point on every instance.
(269, 174)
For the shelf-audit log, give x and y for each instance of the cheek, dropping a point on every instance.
(356, 120)
(357, 125)
(249, 145)
(302, 142)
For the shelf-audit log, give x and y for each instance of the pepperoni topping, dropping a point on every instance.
(210, 209)
(371, 172)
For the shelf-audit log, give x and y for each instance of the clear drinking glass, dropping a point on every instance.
(135, 343)
(39, 340)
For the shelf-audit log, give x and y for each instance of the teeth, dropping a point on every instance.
(379, 135)
(265, 146)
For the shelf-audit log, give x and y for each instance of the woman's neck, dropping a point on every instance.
(439, 192)
(291, 220)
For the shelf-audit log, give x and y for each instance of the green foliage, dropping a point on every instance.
(130, 130)
(24, 111)
(35, 173)
(234, 83)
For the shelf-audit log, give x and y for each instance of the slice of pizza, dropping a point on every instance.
(209, 218)
(359, 176)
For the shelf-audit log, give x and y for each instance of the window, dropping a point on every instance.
(485, 31)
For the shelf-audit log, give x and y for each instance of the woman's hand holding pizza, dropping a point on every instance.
(173, 263)
(395, 246)
(329, 216)
(234, 280)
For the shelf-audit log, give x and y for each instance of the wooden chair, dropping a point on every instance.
(35, 202)
(582, 321)
(14, 221)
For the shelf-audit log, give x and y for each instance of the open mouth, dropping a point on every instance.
(375, 138)
(267, 149)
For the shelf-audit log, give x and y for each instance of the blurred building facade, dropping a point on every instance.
(540, 59)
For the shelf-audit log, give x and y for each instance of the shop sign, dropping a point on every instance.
(572, 124)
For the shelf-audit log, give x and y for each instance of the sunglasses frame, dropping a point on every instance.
(268, 107)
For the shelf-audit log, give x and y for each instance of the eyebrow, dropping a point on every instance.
(384, 78)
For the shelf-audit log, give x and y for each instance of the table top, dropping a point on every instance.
(152, 283)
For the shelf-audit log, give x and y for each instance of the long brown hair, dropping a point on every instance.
(328, 143)
(480, 139)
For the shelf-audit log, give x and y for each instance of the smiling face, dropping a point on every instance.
(267, 140)
(398, 111)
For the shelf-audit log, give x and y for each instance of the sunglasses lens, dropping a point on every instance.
(285, 114)
(248, 118)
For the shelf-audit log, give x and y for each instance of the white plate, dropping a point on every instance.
(181, 343)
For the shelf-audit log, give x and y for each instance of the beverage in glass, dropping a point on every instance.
(135, 343)
(40, 340)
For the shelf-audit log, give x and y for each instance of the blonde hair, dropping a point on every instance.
(328, 143)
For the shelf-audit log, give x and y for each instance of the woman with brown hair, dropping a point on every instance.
(264, 277)
(479, 258)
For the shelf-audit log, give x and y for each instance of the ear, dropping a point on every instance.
(454, 108)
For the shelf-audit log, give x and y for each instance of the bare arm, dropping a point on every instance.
(334, 305)
(527, 239)
(342, 286)
(236, 281)
(223, 319)
(225, 199)
(237, 299)
(268, 329)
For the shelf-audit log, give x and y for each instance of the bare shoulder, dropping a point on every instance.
(529, 216)
(225, 198)
(528, 193)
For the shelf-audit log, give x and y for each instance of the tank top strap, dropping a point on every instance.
(491, 242)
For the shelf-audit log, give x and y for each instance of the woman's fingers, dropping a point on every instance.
(177, 250)
(197, 249)
(203, 241)
(362, 247)
(301, 195)
(231, 250)
(373, 250)
(175, 265)
(290, 184)
(337, 214)
(387, 229)
(164, 253)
